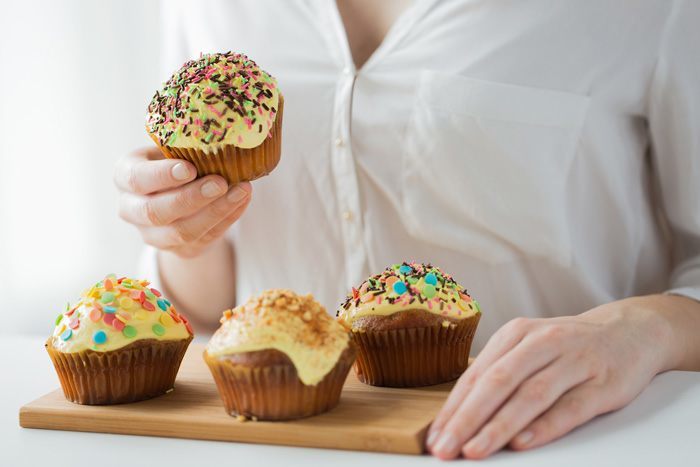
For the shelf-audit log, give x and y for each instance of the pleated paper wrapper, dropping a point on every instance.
(233, 163)
(414, 357)
(275, 392)
(138, 371)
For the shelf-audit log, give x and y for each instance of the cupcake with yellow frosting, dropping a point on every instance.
(280, 356)
(222, 113)
(413, 325)
(121, 342)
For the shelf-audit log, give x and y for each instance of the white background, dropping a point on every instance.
(75, 82)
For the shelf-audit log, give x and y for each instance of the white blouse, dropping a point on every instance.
(546, 154)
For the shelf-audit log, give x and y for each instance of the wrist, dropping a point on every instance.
(641, 319)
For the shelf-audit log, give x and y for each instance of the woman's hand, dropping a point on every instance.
(173, 211)
(537, 379)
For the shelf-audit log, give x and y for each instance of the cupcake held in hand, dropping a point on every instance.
(222, 113)
(413, 325)
(278, 357)
(121, 342)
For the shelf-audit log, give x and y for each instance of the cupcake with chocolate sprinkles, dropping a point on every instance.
(222, 113)
(413, 325)
(121, 342)
(280, 356)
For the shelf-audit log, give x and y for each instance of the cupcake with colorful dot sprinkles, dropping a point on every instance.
(413, 325)
(279, 356)
(121, 342)
(222, 113)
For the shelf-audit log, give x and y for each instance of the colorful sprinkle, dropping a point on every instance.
(162, 305)
(429, 290)
(148, 306)
(431, 278)
(109, 309)
(95, 315)
(65, 335)
(107, 297)
(166, 320)
(99, 337)
(126, 303)
(129, 331)
(118, 324)
(405, 269)
(158, 329)
(59, 318)
(400, 288)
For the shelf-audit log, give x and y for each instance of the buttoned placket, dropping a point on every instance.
(342, 161)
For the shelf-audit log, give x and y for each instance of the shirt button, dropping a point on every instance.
(347, 215)
(338, 142)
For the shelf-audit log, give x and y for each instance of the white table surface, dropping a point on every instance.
(661, 427)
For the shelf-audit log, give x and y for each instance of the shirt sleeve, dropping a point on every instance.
(674, 120)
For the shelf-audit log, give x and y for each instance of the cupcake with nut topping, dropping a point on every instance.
(413, 325)
(121, 342)
(222, 113)
(280, 356)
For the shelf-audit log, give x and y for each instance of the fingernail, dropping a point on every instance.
(237, 194)
(524, 438)
(212, 189)
(478, 445)
(180, 171)
(431, 438)
(446, 443)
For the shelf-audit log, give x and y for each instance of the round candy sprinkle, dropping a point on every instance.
(148, 305)
(110, 309)
(390, 281)
(109, 318)
(107, 297)
(118, 325)
(404, 269)
(74, 323)
(158, 329)
(150, 295)
(429, 290)
(431, 279)
(155, 292)
(162, 305)
(140, 314)
(126, 303)
(166, 301)
(400, 288)
(166, 320)
(65, 335)
(412, 279)
(129, 331)
(100, 337)
(59, 318)
(95, 315)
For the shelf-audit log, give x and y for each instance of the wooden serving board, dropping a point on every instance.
(366, 419)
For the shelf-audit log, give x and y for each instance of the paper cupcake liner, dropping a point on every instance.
(233, 163)
(414, 357)
(139, 371)
(275, 392)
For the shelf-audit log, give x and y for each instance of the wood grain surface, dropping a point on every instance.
(366, 419)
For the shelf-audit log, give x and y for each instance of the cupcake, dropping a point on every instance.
(279, 357)
(223, 114)
(121, 342)
(413, 325)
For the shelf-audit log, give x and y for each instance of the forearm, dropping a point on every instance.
(673, 324)
(203, 286)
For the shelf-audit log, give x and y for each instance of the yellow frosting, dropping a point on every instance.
(115, 313)
(219, 99)
(279, 319)
(407, 286)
